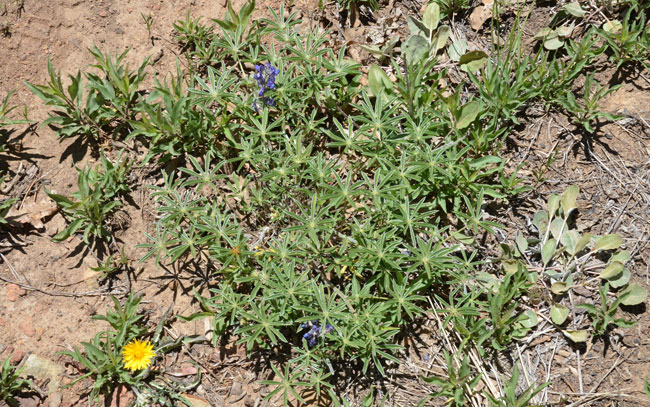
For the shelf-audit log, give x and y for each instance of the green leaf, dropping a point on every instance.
(431, 16)
(556, 228)
(416, 27)
(378, 80)
(634, 294)
(559, 314)
(553, 43)
(564, 31)
(439, 40)
(468, 114)
(559, 288)
(582, 243)
(577, 336)
(548, 250)
(608, 242)
(482, 162)
(553, 204)
(569, 240)
(415, 48)
(473, 61)
(543, 33)
(569, 199)
(612, 270)
(574, 9)
(522, 243)
(613, 27)
(621, 280)
(623, 256)
(540, 220)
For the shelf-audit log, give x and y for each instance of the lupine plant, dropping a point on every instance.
(323, 212)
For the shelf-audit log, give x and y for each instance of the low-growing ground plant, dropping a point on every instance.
(324, 216)
(98, 197)
(11, 384)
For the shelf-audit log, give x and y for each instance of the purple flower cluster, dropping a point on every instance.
(315, 331)
(265, 78)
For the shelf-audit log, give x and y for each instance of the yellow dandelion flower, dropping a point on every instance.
(137, 355)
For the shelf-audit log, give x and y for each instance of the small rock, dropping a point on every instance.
(12, 292)
(249, 402)
(55, 399)
(28, 402)
(121, 397)
(196, 401)
(17, 356)
(43, 369)
(119, 31)
(27, 326)
(91, 277)
(3, 322)
(236, 389)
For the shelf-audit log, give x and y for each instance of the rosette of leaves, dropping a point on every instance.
(572, 259)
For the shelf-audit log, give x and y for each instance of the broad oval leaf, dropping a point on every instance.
(613, 26)
(608, 242)
(621, 280)
(440, 39)
(559, 314)
(577, 336)
(574, 9)
(569, 240)
(431, 16)
(468, 114)
(553, 204)
(522, 243)
(569, 199)
(634, 294)
(415, 48)
(612, 270)
(559, 288)
(378, 80)
(556, 228)
(473, 61)
(548, 250)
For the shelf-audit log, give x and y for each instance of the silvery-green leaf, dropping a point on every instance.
(378, 80)
(417, 27)
(431, 16)
(548, 251)
(634, 294)
(583, 242)
(608, 242)
(556, 228)
(529, 319)
(522, 243)
(613, 26)
(623, 256)
(553, 43)
(569, 199)
(553, 204)
(574, 9)
(559, 288)
(440, 38)
(577, 336)
(473, 61)
(564, 31)
(569, 240)
(559, 314)
(540, 220)
(543, 33)
(457, 48)
(621, 280)
(612, 270)
(415, 48)
(468, 114)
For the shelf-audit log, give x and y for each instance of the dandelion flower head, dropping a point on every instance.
(137, 355)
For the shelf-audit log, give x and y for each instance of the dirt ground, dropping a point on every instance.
(49, 296)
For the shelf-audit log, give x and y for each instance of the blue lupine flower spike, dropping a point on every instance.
(315, 331)
(265, 77)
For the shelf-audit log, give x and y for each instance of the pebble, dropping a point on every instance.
(12, 292)
(27, 326)
(17, 356)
